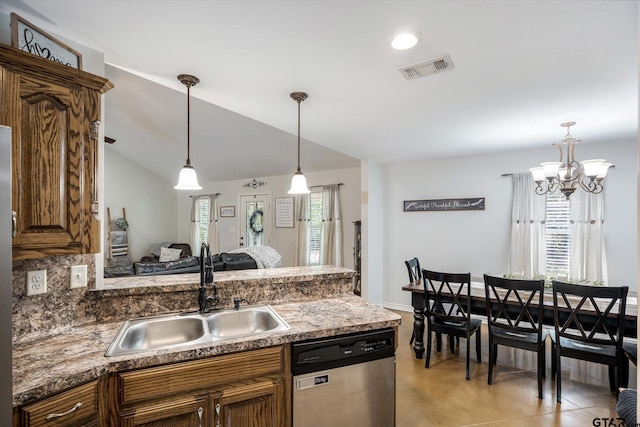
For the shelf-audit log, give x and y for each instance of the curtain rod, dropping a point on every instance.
(510, 174)
(212, 194)
(311, 186)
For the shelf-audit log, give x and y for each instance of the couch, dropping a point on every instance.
(149, 266)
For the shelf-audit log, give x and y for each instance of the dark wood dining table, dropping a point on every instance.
(478, 306)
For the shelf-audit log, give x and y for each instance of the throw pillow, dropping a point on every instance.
(156, 248)
(168, 254)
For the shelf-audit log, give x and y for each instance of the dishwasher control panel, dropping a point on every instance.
(344, 350)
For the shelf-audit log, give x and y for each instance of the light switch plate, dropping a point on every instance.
(36, 282)
(78, 276)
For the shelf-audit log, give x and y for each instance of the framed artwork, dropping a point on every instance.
(284, 212)
(26, 36)
(227, 211)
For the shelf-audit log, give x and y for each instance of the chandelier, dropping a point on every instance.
(566, 176)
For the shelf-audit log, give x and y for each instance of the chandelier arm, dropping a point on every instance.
(560, 150)
(593, 186)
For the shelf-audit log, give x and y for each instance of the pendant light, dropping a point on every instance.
(299, 182)
(188, 180)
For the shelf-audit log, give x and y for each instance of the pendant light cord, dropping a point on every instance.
(188, 124)
(299, 100)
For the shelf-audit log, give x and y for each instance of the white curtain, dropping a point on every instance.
(588, 257)
(195, 219)
(527, 253)
(303, 222)
(213, 235)
(331, 229)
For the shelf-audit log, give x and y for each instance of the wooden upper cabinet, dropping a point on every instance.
(54, 113)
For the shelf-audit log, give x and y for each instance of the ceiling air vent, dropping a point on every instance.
(426, 68)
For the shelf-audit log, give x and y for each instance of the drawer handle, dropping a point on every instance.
(14, 224)
(218, 415)
(200, 412)
(54, 416)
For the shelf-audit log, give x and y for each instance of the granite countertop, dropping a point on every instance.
(49, 363)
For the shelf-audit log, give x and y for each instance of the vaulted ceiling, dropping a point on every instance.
(519, 69)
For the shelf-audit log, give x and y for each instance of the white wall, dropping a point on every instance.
(373, 220)
(149, 200)
(477, 241)
(282, 239)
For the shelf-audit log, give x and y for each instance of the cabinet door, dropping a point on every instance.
(189, 411)
(256, 404)
(48, 121)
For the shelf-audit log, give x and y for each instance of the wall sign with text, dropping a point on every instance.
(475, 204)
(284, 212)
(26, 36)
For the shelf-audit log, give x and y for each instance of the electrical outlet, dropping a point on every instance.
(36, 282)
(78, 277)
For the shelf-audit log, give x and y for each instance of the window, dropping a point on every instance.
(202, 213)
(320, 232)
(315, 227)
(558, 235)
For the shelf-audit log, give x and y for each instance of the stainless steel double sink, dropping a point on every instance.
(174, 331)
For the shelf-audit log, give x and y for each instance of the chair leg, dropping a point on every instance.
(495, 354)
(413, 337)
(490, 376)
(541, 369)
(478, 347)
(468, 356)
(452, 344)
(558, 377)
(612, 379)
(553, 361)
(428, 354)
(438, 342)
(544, 359)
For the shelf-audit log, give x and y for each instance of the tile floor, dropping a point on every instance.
(440, 395)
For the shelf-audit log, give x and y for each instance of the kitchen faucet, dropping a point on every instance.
(206, 277)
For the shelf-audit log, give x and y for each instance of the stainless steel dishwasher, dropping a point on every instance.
(345, 381)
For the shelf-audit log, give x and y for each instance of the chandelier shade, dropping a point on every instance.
(188, 179)
(567, 175)
(298, 181)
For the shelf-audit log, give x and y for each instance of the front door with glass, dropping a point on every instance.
(255, 220)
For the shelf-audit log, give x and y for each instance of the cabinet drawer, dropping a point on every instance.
(58, 410)
(199, 374)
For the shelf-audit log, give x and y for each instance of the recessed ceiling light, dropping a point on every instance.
(404, 41)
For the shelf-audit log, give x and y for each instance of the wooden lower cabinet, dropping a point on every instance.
(247, 389)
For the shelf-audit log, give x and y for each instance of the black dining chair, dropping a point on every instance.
(514, 319)
(415, 274)
(599, 340)
(448, 310)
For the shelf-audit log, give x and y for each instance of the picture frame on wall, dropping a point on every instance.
(227, 211)
(284, 212)
(29, 38)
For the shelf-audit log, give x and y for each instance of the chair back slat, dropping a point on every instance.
(514, 304)
(606, 306)
(448, 296)
(413, 268)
